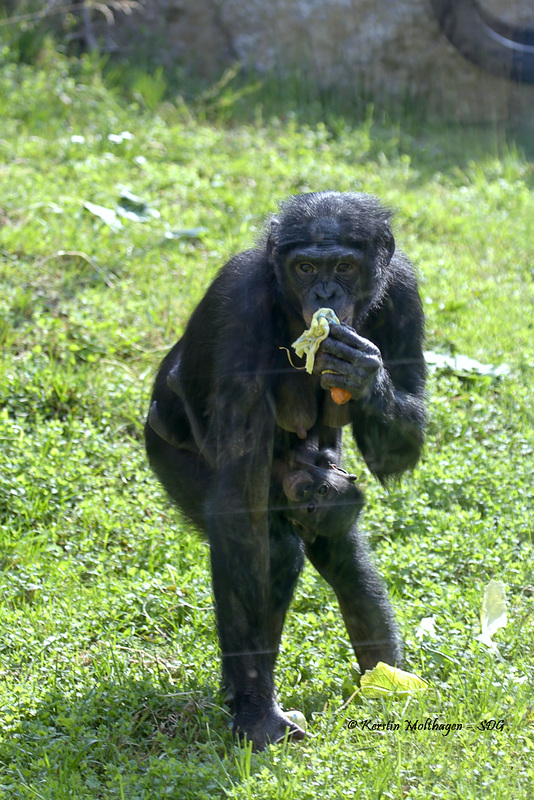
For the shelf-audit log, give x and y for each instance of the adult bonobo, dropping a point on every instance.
(228, 408)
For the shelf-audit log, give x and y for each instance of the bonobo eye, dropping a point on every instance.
(322, 490)
(306, 268)
(311, 508)
(345, 268)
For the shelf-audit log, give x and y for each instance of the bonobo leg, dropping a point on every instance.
(250, 611)
(183, 473)
(367, 613)
(251, 607)
(287, 560)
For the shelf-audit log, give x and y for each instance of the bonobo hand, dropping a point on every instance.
(356, 362)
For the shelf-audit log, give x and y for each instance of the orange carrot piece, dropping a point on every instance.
(340, 396)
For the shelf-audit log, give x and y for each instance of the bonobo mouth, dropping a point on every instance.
(345, 317)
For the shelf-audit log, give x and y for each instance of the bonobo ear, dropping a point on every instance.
(273, 233)
(387, 243)
(271, 240)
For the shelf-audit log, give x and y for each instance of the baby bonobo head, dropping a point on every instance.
(322, 499)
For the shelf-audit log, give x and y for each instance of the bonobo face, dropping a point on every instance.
(331, 250)
(322, 500)
(326, 274)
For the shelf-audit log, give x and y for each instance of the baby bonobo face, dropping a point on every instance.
(322, 501)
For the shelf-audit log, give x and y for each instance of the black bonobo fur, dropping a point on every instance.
(239, 438)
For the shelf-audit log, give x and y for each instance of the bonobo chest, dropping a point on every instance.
(300, 404)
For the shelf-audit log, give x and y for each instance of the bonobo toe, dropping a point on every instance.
(268, 728)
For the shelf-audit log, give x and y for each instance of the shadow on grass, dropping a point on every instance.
(114, 733)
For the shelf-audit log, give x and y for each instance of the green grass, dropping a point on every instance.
(109, 661)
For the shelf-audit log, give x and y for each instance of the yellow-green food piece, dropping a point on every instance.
(309, 342)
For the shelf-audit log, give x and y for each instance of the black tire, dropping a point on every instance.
(502, 49)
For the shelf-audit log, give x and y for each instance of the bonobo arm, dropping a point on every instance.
(383, 368)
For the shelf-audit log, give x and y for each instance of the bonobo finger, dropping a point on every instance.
(358, 379)
(331, 380)
(325, 362)
(332, 353)
(343, 333)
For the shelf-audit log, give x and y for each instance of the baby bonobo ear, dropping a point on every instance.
(348, 475)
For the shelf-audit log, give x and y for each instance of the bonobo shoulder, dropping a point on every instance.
(243, 289)
(399, 298)
(250, 269)
(230, 331)
(402, 294)
(237, 292)
(402, 271)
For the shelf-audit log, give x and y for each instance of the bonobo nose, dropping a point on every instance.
(325, 292)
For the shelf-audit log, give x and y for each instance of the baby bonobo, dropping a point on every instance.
(318, 497)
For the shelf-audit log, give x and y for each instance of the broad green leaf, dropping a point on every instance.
(463, 366)
(385, 679)
(186, 233)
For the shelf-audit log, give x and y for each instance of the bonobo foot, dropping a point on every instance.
(265, 726)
